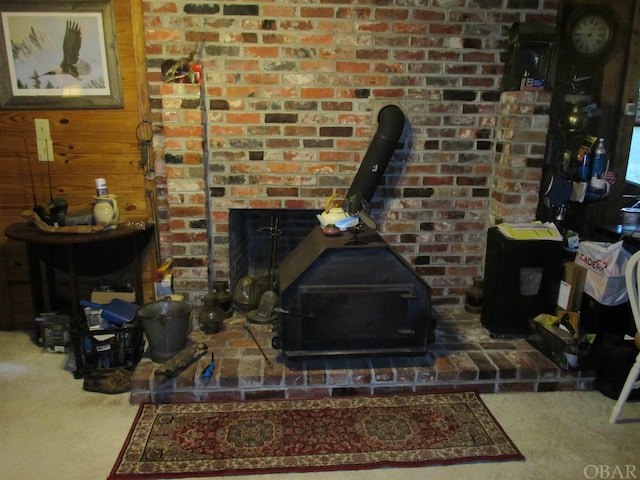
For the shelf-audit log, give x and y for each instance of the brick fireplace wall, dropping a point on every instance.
(289, 102)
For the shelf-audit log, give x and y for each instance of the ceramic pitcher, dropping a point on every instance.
(105, 210)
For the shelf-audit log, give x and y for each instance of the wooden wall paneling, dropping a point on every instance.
(16, 294)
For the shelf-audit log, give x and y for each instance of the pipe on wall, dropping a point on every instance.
(375, 161)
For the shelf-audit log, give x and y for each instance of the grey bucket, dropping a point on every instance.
(166, 325)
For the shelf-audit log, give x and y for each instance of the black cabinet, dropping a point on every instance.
(522, 279)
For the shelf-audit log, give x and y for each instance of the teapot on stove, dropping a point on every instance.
(334, 214)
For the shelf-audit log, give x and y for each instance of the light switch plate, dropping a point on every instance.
(45, 149)
(43, 137)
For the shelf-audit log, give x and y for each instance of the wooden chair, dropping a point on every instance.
(631, 276)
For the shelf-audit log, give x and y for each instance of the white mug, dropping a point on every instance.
(598, 184)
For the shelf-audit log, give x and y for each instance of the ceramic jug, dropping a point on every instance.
(105, 210)
(333, 213)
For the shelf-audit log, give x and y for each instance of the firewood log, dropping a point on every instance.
(179, 362)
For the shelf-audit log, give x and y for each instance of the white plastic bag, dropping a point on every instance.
(605, 264)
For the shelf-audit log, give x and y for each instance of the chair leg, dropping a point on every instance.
(634, 373)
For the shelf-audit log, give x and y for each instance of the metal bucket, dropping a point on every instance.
(630, 215)
(166, 325)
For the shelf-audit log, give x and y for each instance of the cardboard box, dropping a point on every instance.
(105, 297)
(557, 345)
(163, 280)
(572, 287)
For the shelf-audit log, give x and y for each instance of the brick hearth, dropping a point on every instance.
(463, 355)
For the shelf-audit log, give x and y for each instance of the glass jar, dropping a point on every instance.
(473, 296)
(245, 297)
(211, 315)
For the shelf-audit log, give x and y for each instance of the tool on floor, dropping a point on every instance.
(248, 329)
(208, 372)
(289, 312)
(265, 313)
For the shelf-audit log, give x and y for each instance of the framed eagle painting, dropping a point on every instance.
(58, 55)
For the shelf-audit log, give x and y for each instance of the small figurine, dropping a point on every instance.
(182, 70)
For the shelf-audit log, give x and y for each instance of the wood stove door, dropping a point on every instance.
(355, 319)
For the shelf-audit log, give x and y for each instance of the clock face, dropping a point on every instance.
(591, 34)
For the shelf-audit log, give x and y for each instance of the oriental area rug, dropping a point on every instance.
(336, 433)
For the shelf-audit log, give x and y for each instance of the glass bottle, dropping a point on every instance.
(473, 296)
(224, 297)
(584, 172)
(210, 317)
(576, 119)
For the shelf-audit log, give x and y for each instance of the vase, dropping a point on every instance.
(210, 321)
(211, 315)
(105, 210)
(224, 297)
(245, 297)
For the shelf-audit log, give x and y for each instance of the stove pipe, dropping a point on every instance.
(376, 159)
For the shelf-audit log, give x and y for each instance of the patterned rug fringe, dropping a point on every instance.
(335, 433)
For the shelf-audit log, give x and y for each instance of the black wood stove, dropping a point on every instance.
(354, 296)
(351, 299)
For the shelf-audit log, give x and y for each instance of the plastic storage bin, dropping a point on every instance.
(558, 346)
(54, 332)
(107, 347)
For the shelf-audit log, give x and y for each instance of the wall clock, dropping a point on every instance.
(591, 32)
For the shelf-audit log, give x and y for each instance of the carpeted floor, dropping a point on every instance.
(348, 433)
(51, 428)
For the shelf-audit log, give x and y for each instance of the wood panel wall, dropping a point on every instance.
(87, 144)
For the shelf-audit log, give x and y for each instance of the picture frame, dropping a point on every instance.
(59, 54)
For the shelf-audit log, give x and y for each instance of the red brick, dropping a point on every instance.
(309, 392)
(316, 12)
(220, 396)
(318, 92)
(445, 370)
(261, 52)
(264, 394)
(140, 398)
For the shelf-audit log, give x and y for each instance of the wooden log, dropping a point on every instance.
(179, 362)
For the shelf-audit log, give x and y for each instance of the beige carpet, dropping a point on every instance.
(53, 429)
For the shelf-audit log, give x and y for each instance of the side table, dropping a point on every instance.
(91, 254)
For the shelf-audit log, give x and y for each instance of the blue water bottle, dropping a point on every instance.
(584, 172)
(599, 160)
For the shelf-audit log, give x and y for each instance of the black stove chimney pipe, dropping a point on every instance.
(376, 159)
